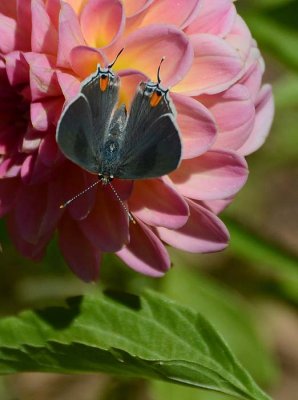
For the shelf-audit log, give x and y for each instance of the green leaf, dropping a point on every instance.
(228, 312)
(127, 335)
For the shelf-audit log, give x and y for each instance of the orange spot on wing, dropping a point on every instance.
(155, 99)
(103, 83)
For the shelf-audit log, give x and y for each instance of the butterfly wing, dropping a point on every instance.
(151, 145)
(101, 91)
(75, 134)
(157, 151)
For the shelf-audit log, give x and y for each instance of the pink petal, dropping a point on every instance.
(17, 68)
(203, 232)
(171, 12)
(43, 78)
(46, 113)
(53, 9)
(24, 25)
(252, 77)
(145, 252)
(196, 124)
(130, 79)
(145, 48)
(214, 175)
(134, 7)
(44, 37)
(157, 203)
(216, 17)
(234, 113)
(8, 27)
(215, 67)
(80, 255)
(69, 85)
(217, 206)
(84, 60)
(263, 121)
(102, 21)
(240, 38)
(70, 34)
(9, 189)
(106, 227)
(77, 5)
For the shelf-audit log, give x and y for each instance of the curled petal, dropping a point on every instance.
(217, 206)
(130, 79)
(134, 7)
(145, 253)
(81, 256)
(240, 38)
(263, 121)
(106, 226)
(234, 112)
(216, 17)
(196, 124)
(84, 60)
(145, 48)
(252, 77)
(215, 67)
(44, 37)
(170, 12)
(214, 175)
(102, 22)
(70, 34)
(203, 232)
(157, 203)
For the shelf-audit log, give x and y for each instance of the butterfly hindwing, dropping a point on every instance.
(157, 151)
(75, 135)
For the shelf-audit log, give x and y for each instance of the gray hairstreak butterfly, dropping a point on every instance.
(99, 136)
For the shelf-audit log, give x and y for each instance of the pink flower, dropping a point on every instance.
(214, 70)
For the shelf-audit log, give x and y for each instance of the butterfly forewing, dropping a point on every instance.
(102, 91)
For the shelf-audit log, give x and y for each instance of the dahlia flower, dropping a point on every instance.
(214, 71)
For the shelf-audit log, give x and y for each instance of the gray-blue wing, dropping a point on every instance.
(102, 104)
(75, 134)
(157, 151)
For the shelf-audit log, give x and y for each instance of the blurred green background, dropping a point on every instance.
(249, 292)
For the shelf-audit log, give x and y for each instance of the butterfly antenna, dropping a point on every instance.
(110, 65)
(158, 69)
(131, 218)
(79, 194)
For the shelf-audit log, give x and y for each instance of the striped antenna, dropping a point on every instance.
(79, 194)
(131, 218)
